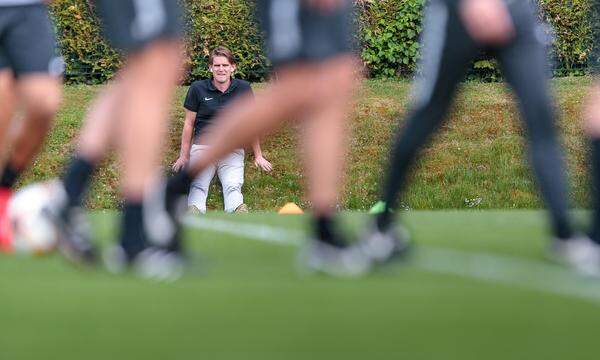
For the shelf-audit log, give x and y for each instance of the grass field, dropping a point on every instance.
(478, 287)
(476, 162)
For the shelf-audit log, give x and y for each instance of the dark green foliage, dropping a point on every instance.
(229, 23)
(388, 33)
(208, 23)
(88, 57)
(573, 33)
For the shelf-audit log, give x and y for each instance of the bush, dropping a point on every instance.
(573, 30)
(224, 22)
(208, 23)
(388, 33)
(88, 57)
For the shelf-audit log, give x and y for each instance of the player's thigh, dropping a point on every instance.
(39, 93)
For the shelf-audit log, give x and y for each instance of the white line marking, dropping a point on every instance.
(493, 268)
(259, 232)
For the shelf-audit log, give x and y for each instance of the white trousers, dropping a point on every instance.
(230, 171)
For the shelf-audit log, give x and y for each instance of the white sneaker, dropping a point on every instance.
(383, 246)
(321, 257)
(580, 253)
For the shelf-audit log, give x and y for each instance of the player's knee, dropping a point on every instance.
(42, 101)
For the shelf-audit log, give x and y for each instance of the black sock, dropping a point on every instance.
(9, 176)
(384, 220)
(323, 227)
(77, 179)
(133, 238)
(180, 183)
(595, 171)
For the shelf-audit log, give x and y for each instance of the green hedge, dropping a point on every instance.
(388, 33)
(573, 33)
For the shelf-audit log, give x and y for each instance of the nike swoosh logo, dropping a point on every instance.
(207, 99)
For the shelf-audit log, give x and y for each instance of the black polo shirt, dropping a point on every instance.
(206, 100)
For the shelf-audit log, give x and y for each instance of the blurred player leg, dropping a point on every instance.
(7, 105)
(28, 47)
(583, 253)
(131, 115)
(324, 140)
(149, 82)
(528, 76)
(446, 54)
(95, 139)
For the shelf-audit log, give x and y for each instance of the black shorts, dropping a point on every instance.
(129, 25)
(27, 42)
(295, 32)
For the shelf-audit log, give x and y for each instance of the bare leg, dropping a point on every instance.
(148, 83)
(325, 136)
(7, 108)
(41, 97)
(98, 130)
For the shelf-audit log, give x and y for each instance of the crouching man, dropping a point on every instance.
(204, 100)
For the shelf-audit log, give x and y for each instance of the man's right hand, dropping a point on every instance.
(487, 21)
(180, 163)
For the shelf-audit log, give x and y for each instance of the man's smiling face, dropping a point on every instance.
(221, 69)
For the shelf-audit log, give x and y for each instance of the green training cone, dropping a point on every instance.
(378, 208)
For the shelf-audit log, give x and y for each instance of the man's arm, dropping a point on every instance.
(259, 160)
(186, 140)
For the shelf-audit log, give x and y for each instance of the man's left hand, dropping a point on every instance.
(263, 164)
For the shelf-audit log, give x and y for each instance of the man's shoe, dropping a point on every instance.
(152, 263)
(192, 210)
(579, 252)
(5, 225)
(321, 257)
(384, 246)
(242, 209)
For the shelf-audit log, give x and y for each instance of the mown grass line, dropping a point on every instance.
(477, 161)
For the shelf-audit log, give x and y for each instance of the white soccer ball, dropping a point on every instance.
(33, 232)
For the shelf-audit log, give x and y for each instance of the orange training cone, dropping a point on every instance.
(290, 209)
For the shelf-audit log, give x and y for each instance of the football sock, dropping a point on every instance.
(383, 220)
(9, 176)
(179, 183)
(323, 227)
(77, 179)
(133, 239)
(595, 172)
